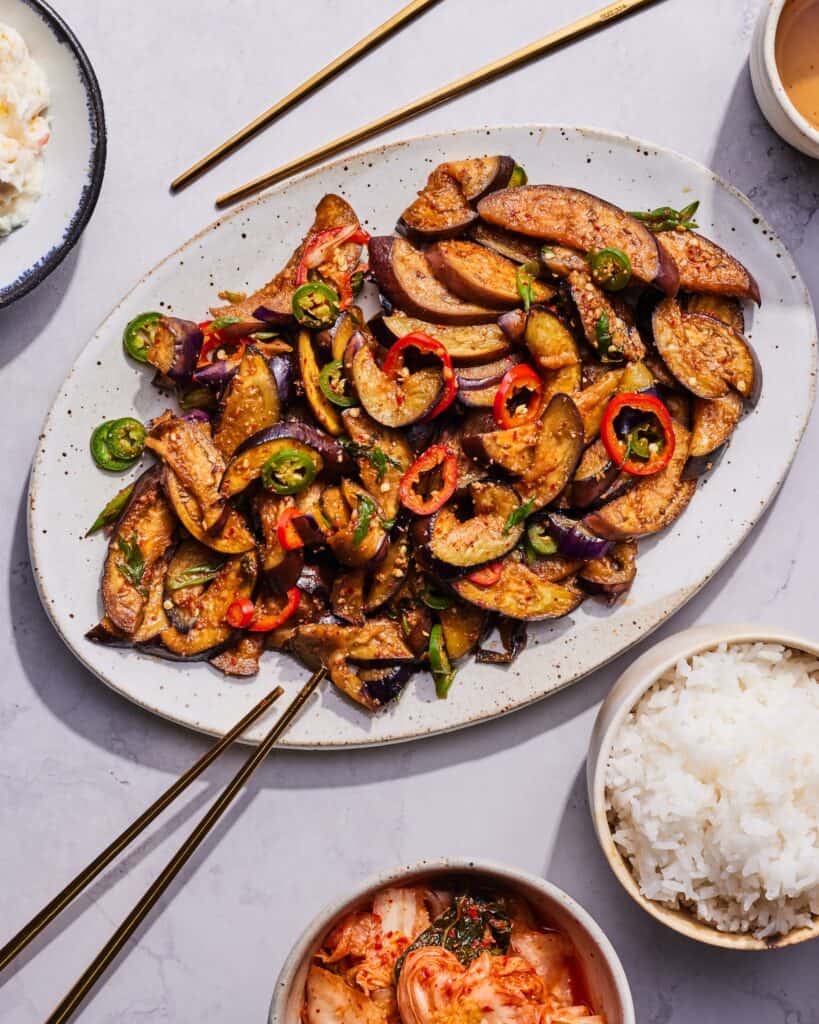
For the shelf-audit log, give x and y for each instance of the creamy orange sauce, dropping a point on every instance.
(797, 56)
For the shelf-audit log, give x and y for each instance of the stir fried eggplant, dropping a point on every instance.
(378, 496)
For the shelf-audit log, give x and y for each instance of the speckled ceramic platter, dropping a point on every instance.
(242, 250)
(74, 157)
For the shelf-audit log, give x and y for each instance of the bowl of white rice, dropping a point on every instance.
(703, 776)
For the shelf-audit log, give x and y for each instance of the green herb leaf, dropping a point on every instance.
(434, 599)
(375, 455)
(470, 926)
(193, 576)
(112, 511)
(605, 341)
(223, 321)
(516, 517)
(524, 282)
(366, 510)
(133, 566)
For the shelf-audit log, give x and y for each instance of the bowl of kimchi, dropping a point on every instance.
(453, 940)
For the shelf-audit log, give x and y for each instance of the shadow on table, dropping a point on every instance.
(27, 318)
(680, 978)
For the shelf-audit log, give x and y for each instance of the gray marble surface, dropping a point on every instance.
(77, 762)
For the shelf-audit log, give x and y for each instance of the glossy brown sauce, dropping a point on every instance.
(797, 56)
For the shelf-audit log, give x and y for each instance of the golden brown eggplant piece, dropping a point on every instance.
(713, 422)
(605, 329)
(480, 343)
(517, 248)
(704, 354)
(464, 626)
(191, 568)
(478, 274)
(196, 462)
(277, 295)
(442, 209)
(550, 341)
(209, 631)
(705, 267)
(382, 457)
(483, 536)
(394, 401)
(389, 574)
(612, 575)
(242, 658)
(347, 596)
(654, 503)
(581, 221)
(141, 537)
(322, 408)
(406, 278)
(251, 403)
(520, 594)
(591, 402)
(233, 536)
(723, 307)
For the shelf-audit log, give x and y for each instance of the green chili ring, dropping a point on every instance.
(610, 269)
(518, 177)
(101, 450)
(316, 305)
(126, 438)
(139, 334)
(539, 539)
(288, 472)
(332, 382)
(440, 665)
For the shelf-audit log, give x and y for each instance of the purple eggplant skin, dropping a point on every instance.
(513, 324)
(316, 580)
(287, 573)
(176, 348)
(575, 540)
(215, 374)
(159, 651)
(474, 378)
(336, 459)
(270, 316)
(389, 685)
(108, 635)
(283, 369)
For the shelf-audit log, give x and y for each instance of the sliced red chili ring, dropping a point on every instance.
(643, 444)
(488, 576)
(508, 409)
(286, 533)
(263, 622)
(427, 345)
(322, 244)
(240, 613)
(419, 491)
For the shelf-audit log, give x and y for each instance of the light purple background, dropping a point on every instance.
(77, 762)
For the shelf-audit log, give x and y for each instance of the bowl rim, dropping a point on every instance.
(39, 271)
(773, 17)
(626, 691)
(449, 865)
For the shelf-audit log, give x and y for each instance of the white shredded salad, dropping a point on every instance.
(712, 789)
(24, 130)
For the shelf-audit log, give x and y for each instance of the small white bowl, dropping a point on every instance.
(604, 975)
(625, 693)
(782, 115)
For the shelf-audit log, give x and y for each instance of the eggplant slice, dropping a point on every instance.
(550, 341)
(466, 346)
(478, 274)
(520, 594)
(442, 209)
(233, 536)
(190, 570)
(406, 278)
(584, 222)
(722, 307)
(241, 659)
(612, 575)
(137, 547)
(389, 575)
(251, 403)
(556, 453)
(275, 299)
(394, 401)
(605, 329)
(248, 462)
(515, 247)
(704, 267)
(714, 421)
(591, 402)
(382, 456)
(704, 354)
(484, 536)
(464, 626)
(654, 503)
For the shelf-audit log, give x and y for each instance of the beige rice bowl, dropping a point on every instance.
(712, 789)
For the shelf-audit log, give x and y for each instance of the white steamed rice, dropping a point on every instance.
(712, 788)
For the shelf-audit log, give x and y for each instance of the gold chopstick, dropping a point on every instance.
(432, 99)
(30, 931)
(378, 35)
(91, 975)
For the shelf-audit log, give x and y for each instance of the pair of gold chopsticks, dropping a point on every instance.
(68, 1006)
(575, 30)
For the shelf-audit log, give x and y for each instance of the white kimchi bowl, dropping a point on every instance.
(605, 978)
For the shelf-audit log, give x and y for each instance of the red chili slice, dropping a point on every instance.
(519, 378)
(321, 245)
(488, 576)
(427, 345)
(212, 340)
(438, 457)
(622, 449)
(264, 623)
(286, 532)
(240, 613)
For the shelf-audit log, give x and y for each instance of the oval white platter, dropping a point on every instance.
(241, 251)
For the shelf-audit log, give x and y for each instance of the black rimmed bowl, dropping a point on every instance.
(74, 157)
